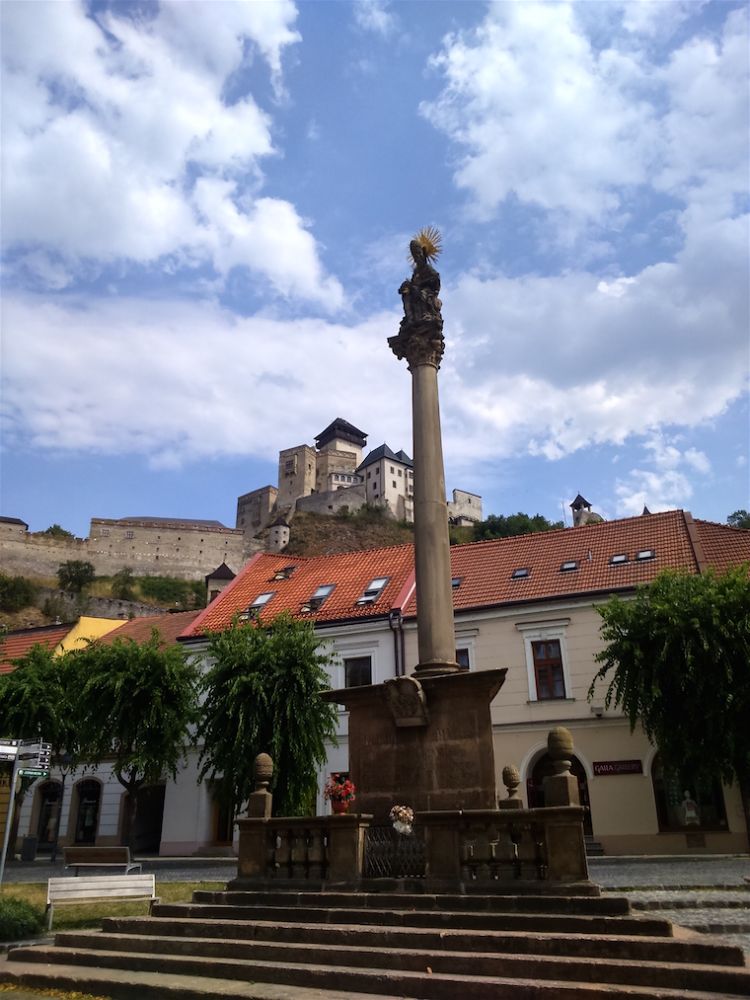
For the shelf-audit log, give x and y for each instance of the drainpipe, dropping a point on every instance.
(396, 624)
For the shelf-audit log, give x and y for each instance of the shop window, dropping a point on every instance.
(686, 803)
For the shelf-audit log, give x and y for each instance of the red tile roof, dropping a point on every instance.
(351, 572)
(486, 569)
(169, 626)
(16, 644)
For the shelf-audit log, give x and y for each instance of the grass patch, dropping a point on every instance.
(74, 917)
(36, 993)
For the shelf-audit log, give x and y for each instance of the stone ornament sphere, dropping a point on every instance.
(511, 776)
(263, 768)
(560, 743)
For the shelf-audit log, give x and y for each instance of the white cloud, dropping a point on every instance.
(108, 135)
(180, 380)
(539, 108)
(669, 483)
(374, 15)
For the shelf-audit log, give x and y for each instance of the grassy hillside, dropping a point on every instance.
(369, 528)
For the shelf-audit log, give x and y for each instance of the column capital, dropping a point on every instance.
(420, 343)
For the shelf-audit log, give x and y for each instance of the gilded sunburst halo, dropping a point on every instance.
(430, 240)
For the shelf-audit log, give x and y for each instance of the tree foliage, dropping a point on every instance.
(136, 704)
(262, 694)
(55, 531)
(500, 526)
(16, 593)
(39, 698)
(123, 584)
(75, 575)
(185, 593)
(677, 660)
(739, 519)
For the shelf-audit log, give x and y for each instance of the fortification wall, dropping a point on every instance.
(334, 500)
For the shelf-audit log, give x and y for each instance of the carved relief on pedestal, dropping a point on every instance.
(406, 700)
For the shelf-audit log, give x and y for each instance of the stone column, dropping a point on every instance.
(420, 341)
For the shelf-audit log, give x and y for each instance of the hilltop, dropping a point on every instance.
(368, 528)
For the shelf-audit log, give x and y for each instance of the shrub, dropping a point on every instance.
(75, 575)
(19, 919)
(122, 584)
(168, 590)
(16, 592)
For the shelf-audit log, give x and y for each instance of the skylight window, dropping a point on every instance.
(373, 590)
(456, 582)
(319, 596)
(284, 573)
(254, 609)
(520, 573)
(568, 566)
(620, 557)
(643, 554)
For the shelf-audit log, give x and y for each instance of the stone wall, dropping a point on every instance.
(333, 501)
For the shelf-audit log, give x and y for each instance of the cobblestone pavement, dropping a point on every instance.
(706, 894)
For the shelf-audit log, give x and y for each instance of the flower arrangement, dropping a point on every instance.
(339, 788)
(402, 818)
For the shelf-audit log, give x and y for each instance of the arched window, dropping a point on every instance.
(49, 807)
(683, 803)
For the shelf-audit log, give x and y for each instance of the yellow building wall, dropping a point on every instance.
(87, 628)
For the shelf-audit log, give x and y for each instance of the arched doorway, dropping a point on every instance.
(543, 769)
(49, 796)
(87, 815)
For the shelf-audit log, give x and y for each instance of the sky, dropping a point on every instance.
(206, 211)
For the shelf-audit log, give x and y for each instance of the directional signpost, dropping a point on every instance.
(29, 758)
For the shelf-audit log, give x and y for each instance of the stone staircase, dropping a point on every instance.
(307, 945)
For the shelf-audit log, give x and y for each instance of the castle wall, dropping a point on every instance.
(332, 501)
(465, 507)
(331, 462)
(255, 510)
(296, 474)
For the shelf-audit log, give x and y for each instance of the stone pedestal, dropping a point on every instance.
(441, 757)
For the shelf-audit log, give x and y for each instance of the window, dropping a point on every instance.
(357, 671)
(318, 597)
(546, 658)
(520, 573)
(456, 582)
(373, 590)
(253, 610)
(284, 573)
(290, 466)
(130, 534)
(393, 483)
(643, 554)
(392, 470)
(568, 566)
(462, 658)
(620, 557)
(683, 803)
(548, 669)
(400, 472)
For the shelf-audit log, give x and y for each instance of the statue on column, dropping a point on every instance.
(420, 336)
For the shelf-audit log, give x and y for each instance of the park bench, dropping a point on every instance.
(101, 888)
(100, 857)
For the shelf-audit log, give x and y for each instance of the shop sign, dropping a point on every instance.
(602, 768)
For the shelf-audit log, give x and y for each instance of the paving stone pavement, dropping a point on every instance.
(706, 894)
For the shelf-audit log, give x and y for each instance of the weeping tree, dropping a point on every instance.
(263, 694)
(40, 699)
(137, 703)
(677, 661)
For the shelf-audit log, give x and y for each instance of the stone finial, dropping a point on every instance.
(511, 780)
(561, 787)
(260, 802)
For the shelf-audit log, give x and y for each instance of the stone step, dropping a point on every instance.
(561, 922)
(610, 905)
(692, 949)
(602, 969)
(61, 967)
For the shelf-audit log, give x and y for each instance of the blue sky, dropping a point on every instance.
(205, 218)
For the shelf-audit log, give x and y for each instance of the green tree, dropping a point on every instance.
(677, 660)
(262, 694)
(16, 593)
(500, 526)
(75, 575)
(123, 584)
(39, 699)
(55, 531)
(136, 704)
(740, 519)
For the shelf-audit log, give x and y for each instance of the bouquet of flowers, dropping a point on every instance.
(339, 788)
(402, 818)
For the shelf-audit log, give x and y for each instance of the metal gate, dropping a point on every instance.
(392, 855)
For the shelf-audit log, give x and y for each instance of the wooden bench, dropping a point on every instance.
(102, 888)
(100, 857)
